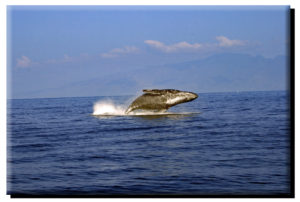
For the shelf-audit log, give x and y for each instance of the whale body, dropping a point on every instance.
(160, 100)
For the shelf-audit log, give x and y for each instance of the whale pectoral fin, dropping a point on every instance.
(152, 91)
(129, 109)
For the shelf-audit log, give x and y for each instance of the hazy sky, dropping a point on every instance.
(51, 48)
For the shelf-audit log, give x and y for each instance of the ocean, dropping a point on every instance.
(219, 144)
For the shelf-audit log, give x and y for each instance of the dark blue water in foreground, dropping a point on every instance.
(238, 144)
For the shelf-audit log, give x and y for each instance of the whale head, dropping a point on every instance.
(176, 97)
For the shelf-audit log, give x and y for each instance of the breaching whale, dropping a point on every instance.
(160, 100)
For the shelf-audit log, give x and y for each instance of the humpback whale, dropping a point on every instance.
(160, 100)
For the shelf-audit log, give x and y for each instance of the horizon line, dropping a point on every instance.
(212, 92)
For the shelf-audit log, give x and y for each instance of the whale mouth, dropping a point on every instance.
(193, 95)
(189, 96)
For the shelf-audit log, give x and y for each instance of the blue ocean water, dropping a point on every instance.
(239, 143)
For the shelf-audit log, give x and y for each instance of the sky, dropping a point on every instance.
(69, 51)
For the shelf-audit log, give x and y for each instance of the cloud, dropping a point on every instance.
(120, 51)
(68, 59)
(181, 46)
(23, 62)
(225, 42)
(185, 46)
(65, 59)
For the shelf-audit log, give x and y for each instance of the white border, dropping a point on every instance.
(4, 3)
(149, 2)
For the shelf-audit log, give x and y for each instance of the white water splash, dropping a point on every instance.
(108, 108)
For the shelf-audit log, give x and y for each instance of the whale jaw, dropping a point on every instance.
(160, 100)
(181, 97)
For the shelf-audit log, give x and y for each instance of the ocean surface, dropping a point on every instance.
(218, 144)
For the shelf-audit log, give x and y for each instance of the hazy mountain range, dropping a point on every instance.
(217, 73)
